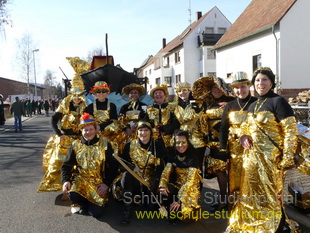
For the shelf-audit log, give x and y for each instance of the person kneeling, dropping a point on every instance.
(89, 170)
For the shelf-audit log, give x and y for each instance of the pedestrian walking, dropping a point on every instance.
(46, 107)
(18, 109)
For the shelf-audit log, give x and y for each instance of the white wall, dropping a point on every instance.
(239, 57)
(295, 46)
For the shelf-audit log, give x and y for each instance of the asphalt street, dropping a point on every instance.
(25, 210)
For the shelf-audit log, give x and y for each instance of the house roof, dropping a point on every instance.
(259, 16)
(178, 41)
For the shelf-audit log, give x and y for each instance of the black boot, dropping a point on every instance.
(126, 215)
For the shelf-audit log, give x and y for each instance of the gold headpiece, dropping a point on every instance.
(79, 66)
(100, 85)
(181, 86)
(240, 78)
(139, 88)
(162, 87)
(143, 124)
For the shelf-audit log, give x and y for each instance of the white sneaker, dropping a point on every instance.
(75, 209)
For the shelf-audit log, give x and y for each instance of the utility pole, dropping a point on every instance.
(35, 75)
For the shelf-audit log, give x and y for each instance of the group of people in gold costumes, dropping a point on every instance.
(161, 152)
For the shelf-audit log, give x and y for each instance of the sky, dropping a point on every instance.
(73, 28)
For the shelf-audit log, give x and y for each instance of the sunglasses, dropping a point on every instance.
(102, 91)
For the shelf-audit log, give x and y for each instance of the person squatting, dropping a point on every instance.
(157, 156)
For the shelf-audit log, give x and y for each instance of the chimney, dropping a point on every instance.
(198, 14)
(164, 43)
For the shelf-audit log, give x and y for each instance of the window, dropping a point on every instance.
(200, 75)
(209, 30)
(150, 71)
(168, 81)
(157, 64)
(157, 81)
(177, 57)
(145, 73)
(229, 75)
(257, 61)
(221, 30)
(178, 78)
(210, 54)
(211, 74)
(166, 62)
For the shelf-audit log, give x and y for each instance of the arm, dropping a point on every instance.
(224, 129)
(66, 170)
(164, 179)
(54, 122)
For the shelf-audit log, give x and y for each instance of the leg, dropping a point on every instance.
(15, 123)
(222, 179)
(95, 210)
(20, 122)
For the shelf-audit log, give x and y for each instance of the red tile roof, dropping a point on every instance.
(258, 16)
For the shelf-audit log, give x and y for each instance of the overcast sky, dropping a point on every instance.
(69, 28)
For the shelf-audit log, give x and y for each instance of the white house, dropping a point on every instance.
(272, 33)
(188, 56)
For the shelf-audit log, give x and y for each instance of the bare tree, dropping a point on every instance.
(4, 15)
(52, 88)
(24, 57)
(95, 52)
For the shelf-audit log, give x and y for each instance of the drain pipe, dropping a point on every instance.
(278, 82)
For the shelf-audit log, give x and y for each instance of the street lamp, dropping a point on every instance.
(34, 69)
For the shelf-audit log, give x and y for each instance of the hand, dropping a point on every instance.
(174, 206)
(222, 104)
(246, 141)
(102, 189)
(128, 131)
(66, 187)
(164, 191)
(62, 137)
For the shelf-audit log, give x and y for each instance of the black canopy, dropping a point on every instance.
(115, 77)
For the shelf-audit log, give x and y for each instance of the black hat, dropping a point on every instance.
(267, 71)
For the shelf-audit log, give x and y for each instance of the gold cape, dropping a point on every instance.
(260, 204)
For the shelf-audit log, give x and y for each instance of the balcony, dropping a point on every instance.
(208, 39)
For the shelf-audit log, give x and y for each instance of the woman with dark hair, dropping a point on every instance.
(269, 136)
(180, 180)
(145, 155)
(187, 112)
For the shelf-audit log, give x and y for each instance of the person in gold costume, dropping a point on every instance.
(188, 113)
(234, 114)
(146, 157)
(219, 94)
(102, 109)
(180, 181)
(269, 137)
(67, 115)
(161, 115)
(131, 111)
(89, 169)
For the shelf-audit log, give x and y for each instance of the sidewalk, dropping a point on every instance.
(9, 123)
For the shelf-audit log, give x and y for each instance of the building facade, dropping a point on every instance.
(269, 33)
(188, 56)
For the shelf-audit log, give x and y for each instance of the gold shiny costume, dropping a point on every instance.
(303, 165)
(161, 116)
(191, 122)
(212, 117)
(56, 148)
(260, 204)
(236, 118)
(188, 183)
(91, 163)
(140, 157)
